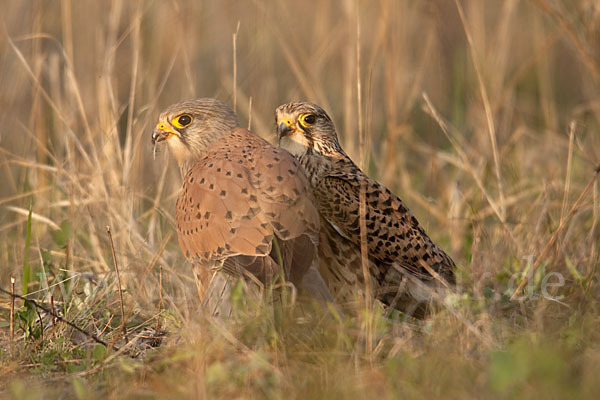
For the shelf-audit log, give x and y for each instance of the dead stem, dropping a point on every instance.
(112, 249)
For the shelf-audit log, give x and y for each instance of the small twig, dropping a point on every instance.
(114, 256)
(107, 324)
(554, 236)
(12, 311)
(58, 317)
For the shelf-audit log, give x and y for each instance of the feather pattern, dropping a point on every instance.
(240, 196)
(400, 253)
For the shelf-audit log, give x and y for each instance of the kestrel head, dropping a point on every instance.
(191, 126)
(306, 128)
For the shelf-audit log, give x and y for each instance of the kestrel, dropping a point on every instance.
(245, 206)
(404, 263)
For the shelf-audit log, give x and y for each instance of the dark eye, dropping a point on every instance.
(185, 120)
(310, 119)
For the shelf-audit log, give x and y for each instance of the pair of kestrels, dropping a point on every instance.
(248, 208)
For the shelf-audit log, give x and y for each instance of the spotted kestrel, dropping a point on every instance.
(245, 207)
(404, 263)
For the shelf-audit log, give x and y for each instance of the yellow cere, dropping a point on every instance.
(288, 122)
(166, 128)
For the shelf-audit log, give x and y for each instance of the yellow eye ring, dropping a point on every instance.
(307, 120)
(183, 120)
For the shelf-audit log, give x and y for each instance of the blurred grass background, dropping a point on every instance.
(483, 116)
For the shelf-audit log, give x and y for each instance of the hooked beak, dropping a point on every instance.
(162, 132)
(284, 128)
(157, 136)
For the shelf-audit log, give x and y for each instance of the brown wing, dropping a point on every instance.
(394, 235)
(237, 197)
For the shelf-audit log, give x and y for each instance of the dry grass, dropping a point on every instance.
(484, 116)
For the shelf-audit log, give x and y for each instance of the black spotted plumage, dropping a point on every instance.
(401, 255)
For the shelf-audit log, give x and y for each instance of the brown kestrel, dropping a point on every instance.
(245, 207)
(404, 263)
